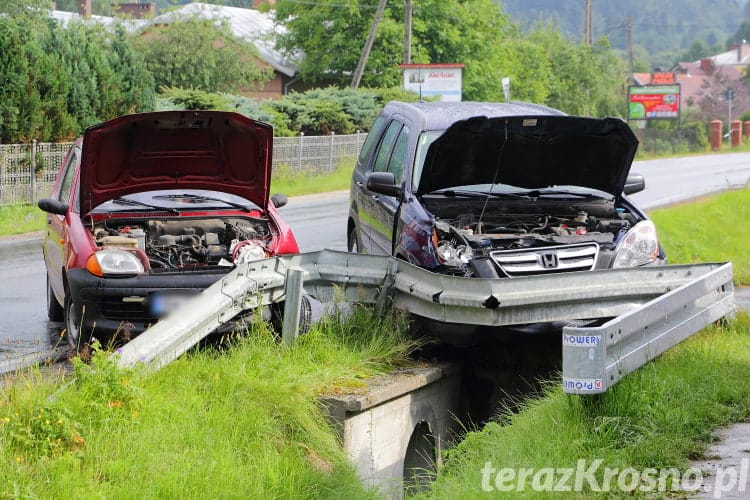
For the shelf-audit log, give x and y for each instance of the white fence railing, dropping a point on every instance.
(27, 171)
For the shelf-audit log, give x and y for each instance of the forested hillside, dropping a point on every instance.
(664, 29)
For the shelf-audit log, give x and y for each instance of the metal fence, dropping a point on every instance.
(27, 171)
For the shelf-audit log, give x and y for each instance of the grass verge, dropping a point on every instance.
(294, 182)
(656, 417)
(713, 229)
(19, 219)
(237, 423)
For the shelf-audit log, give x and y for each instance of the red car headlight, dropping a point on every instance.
(114, 263)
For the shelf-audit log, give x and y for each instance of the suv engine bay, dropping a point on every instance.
(523, 238)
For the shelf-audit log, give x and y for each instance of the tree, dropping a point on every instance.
(742, 35)
(55, 81)
(25, 7)
(472, 32)
(198, 53)
(712, 100)
(582, 80)
(698, 50)
(544, 67)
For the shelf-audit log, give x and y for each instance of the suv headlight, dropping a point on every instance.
(639, 247)
(114, 263)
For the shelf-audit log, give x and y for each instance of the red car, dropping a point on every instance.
(149, 208)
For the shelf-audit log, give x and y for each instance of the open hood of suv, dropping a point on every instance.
(531, 152)
(213, 150)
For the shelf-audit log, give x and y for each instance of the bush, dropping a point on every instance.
(319, 111)
(194, 98)
(670, 137)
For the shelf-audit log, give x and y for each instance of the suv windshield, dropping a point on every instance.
(425, 140)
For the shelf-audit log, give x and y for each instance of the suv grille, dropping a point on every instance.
(557, 259)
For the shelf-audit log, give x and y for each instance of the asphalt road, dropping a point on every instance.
(319, 221)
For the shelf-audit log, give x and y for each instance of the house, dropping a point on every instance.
(255, 27)
(251, 25)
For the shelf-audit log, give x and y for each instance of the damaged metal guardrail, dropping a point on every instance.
(596, 358)
(384, 281)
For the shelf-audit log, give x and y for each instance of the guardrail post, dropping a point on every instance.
(292, 305)
(384, 300)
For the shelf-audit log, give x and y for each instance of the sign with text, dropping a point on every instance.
(429, 80)
(654, 102)
(662, 78)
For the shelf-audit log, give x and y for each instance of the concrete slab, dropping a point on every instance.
(742, 297)
(726, 471)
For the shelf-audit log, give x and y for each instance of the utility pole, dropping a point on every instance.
(368, 45)
(407, 32)
(588, 35)
(630, 43)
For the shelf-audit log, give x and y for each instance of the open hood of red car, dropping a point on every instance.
(531, 152)
(214, 150)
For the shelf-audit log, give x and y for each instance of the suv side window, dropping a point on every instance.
(371, 139)
(384, 150)
(398, 157)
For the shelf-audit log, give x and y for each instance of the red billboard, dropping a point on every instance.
(654, 102)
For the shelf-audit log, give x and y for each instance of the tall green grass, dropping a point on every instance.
(657, 417)
(19, 219)
(296, 182)
(713, 229)
(241, 422)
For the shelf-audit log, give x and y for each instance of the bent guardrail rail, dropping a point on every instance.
(596, 358)
(384, 281)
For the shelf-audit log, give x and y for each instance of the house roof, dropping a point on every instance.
(65, 17)
(251, 25)
(739, 55)
(692, 75)
(641, 78)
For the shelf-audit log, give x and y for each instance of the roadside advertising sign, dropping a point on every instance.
(431, 80)
(662, 78)
(654, 102)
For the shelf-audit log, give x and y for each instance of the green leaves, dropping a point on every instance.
(200, 54)
(55, 81)
(544, 67)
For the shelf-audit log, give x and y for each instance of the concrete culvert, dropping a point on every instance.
(420, 461)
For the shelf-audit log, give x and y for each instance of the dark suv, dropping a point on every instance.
(499, 190)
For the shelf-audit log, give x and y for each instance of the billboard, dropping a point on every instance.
(662, 78)
(429, 80)
(654, 102)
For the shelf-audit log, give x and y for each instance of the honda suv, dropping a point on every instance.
(499, 190)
